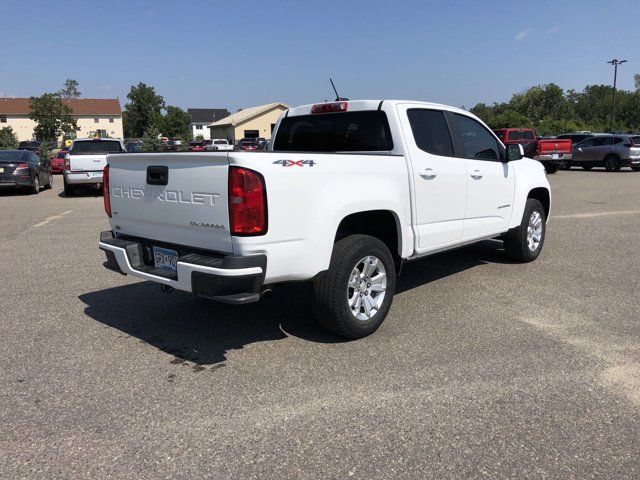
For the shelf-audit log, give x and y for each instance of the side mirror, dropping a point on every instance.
(514, 152)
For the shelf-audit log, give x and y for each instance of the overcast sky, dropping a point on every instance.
(233, 54)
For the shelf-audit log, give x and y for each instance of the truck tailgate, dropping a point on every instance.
(87, 163)
(546, 147)
(178, 198)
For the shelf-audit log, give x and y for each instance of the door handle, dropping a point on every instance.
(476, 174)
(428, 173)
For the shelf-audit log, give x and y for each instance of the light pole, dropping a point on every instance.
(615, 62)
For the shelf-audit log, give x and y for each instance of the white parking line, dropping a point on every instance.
(53, 217)
(598, 214)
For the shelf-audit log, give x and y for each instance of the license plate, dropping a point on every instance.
(95, 174)
(1, 170)
(165, 258)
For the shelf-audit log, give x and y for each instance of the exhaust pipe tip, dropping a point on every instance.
(266, 292)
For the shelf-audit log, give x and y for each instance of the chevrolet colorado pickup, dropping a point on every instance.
(345, 193)
(552, 153)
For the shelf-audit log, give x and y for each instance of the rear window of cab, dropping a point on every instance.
(88, 147)
(360, 131)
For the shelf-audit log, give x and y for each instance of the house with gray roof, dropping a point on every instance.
(201, 117)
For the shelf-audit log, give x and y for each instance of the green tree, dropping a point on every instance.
(176, 123)
(70, 90)
(53, 118)
(44, 152)
(151, 141)
(143, 111)
(8, 139)
(636, 81)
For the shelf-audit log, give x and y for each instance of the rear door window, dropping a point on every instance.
(363, 131)
(430, 131)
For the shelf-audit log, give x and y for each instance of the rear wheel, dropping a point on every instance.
(352, 298)
(524, 243)
(35, 186)
(49, 184)
(69, 191)
(611, 163)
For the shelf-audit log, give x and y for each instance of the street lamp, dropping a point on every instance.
(615, 62)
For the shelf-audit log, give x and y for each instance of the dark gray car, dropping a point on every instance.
(609, 151)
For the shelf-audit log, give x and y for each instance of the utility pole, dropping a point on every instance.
(615, 62)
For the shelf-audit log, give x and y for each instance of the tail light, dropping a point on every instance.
(67, 163)
(247, 202)
(105, 191)
(22, 166)
(330, 107)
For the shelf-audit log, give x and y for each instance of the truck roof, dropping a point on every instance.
(360, 105)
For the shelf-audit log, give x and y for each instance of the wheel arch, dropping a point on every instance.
(543, 196)
(381, 224)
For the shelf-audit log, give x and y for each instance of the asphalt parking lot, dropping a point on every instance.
(483, 369)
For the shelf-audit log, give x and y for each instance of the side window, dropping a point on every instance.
(617, 140)
(587, 143)
(478, 143)
(601, 141)
(430, 131)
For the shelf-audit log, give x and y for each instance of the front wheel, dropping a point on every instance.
(524, 243)
(352, 298)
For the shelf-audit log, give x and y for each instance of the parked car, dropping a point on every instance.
(228, 227)
(170, 146)
(218, 144)
(247, 144)
(609, 151)
(85, 162)
(553, 153)
(134, 147)
(196, 147)
(24, 169)
(57, 162)
(31, 146)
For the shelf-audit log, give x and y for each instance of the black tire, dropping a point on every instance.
(516, 241)
(635, 169)
(551, 168)
(611, 163)
(566, 166)
(69, 191)
(587, 167)
(49, 184)
(331, 288)
(35, 186)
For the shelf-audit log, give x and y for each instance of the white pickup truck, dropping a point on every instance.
(345, 194)
(85, 162)
(218, 145)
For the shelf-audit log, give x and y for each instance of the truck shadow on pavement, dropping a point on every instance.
(201, 331)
